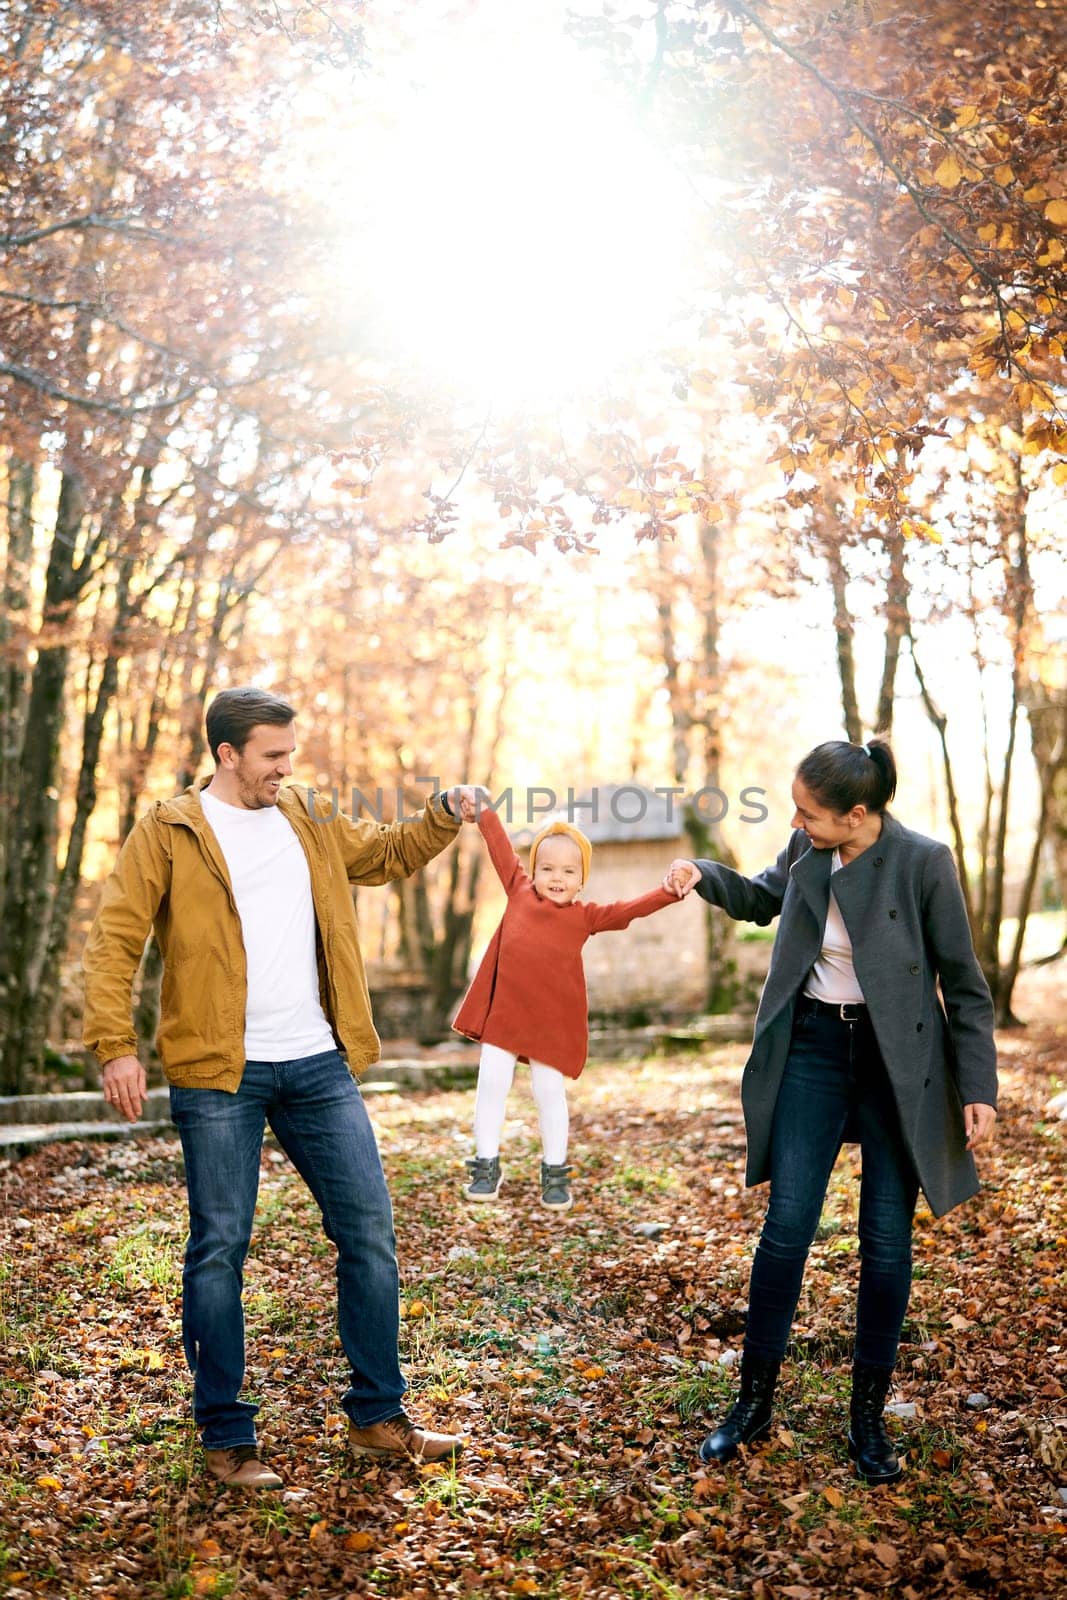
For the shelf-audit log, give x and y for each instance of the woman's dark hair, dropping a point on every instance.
(840, 775)
(235, 712)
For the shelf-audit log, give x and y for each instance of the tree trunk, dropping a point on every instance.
(1047, 711)
(1026, 901)
(1015, 554)
(84, 806)
(15, 601)
(940, 722)
(845, 636)
(681, 713)
(723, 984)
(32, 845)
(896, 626)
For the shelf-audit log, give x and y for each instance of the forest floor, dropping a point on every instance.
(583, 1356)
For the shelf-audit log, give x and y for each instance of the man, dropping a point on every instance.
(263, 988)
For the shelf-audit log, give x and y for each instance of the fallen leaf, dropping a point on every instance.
(361, 1540)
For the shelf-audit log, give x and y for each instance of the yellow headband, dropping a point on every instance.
(568, 832)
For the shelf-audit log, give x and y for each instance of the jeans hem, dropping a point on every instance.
(393, 1410)
(229, 1444)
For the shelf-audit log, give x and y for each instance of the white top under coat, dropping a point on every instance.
(284, 1019)
(833, 977)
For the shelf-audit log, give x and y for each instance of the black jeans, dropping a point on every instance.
(834, 1079)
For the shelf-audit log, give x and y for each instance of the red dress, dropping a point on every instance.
(528, 995)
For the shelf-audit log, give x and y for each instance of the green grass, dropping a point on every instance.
(637, 1179)
(149, 1257)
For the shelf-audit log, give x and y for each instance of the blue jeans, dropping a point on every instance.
(317, 1114)
(835, 1086)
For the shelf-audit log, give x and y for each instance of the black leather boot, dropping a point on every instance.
(869, 1444)
(749, 1418)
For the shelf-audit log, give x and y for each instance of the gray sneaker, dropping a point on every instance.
(484, 1178)
(555, 1187)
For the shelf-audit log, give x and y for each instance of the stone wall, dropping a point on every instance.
(657, 965)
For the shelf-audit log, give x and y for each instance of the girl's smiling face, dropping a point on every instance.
(557, 872)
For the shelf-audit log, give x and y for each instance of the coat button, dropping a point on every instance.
(926, 1085)
(878, 860)
(918, 1027)
(914, 971)
(892, 913)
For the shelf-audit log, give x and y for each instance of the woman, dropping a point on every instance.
(852, 1042)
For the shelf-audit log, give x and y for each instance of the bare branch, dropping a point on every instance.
(88, 403)
(15, 241)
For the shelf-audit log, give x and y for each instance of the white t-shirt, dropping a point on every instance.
(284, 1019)
(833, 977)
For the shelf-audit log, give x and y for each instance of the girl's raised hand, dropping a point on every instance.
(470, 801)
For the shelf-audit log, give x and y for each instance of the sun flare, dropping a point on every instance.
(511, 230)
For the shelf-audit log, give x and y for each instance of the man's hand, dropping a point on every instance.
(978, 1123)
(681, 877)
(465, 800)
(125, 1086)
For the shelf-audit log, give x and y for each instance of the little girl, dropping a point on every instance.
(527, 1001)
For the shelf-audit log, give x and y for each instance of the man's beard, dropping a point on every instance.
(255, 798)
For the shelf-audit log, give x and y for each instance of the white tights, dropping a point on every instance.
(495, 1073)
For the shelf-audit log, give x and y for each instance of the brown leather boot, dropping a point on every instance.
(398, 1436)
(241, 1468)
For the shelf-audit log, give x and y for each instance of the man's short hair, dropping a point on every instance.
(235, 712)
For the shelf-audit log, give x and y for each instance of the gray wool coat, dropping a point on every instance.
(904, 910)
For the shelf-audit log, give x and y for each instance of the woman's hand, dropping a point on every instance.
(978, 1123)
(681, 877)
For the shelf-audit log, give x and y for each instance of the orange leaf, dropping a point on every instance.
(362, 1540)
(48, 1482)
(948, 172)
(1056, 211)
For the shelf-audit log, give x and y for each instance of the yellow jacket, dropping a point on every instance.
(171, 876)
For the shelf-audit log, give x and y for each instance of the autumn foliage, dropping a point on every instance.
(583, 1358)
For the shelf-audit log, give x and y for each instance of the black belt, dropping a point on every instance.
(847, 1011)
